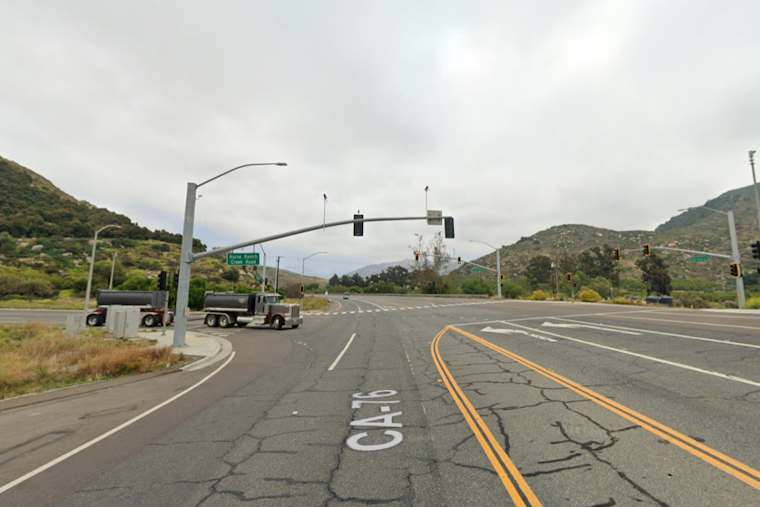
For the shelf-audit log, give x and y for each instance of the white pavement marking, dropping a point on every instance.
(343, 313)
(696, 323)
(588, 326)
(517, 331)
(342, 352)
(699, 338)
(655, 359)
(371, 303)
(353, 312)
(107, 434)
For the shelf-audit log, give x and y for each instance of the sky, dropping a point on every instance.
(516, 115)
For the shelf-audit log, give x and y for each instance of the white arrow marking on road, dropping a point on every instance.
(588, 326)
(517, 331)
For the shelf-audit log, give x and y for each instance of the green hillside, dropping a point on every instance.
(697, 229)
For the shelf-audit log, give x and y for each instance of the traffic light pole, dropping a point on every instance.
(736, 258)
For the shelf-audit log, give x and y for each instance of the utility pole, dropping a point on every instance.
(754, 186)
(736, 258)
(277, 275)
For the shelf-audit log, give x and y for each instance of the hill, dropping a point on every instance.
(46, 235)
(695, 229)
(31, 206)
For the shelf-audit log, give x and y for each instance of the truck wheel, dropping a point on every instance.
(94, 320)
(295, 326)
(212, 320)
(149, 320)
(224, 321)
(277, 324)
(242, 324)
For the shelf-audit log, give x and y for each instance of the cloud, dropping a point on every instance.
(517, 115)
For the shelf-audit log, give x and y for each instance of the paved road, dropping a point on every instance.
(436, 402)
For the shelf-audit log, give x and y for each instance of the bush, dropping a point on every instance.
(589, 296)
(753, 303)
(625, 301)
(538, 295)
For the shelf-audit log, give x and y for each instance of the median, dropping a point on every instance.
(36, 357)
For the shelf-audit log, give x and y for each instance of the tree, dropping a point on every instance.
(599, 263)
(231, 275)
(433, 258)
(539, 271)
(655, 275)
(334, 281)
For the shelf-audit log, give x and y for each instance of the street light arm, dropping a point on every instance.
(235, 169)
(704, 207)
(106, 227)
(476, 241)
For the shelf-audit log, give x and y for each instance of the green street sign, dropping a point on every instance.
(477, 270)
(242, 259)
(703, 258)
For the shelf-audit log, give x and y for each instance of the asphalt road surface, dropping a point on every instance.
(419, 401)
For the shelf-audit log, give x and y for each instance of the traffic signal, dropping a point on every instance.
(416, 256)
(255, 269)
(569, 278)
(162, 280)
(755, 250)
(448, 227)
(735, 271)
(501, 278)
(358, 226)
(616, 254)
(176, 280)
(459, 260)
(301, 290)
(647, 250)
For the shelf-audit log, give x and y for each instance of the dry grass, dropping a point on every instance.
(310, 302)
(37, 357)
(47, 304)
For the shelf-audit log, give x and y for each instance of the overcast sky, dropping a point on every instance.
(518, 115)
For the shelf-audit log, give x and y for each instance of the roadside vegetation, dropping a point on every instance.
(36, 357)
(310, 302)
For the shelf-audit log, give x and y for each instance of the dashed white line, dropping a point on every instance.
(342, 352)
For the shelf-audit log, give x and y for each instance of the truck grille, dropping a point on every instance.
(295, 311)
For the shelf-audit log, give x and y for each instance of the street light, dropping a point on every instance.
(734, 248)
(186, 254)
(89, 278)
(498, 266)
(303, 265)
(264, 274)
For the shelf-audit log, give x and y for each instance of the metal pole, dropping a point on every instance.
(113, 265)
(736, 258)
(754, 184)
(185, 257)
(89, 278)
(277, 276)
(498, 273)
(89, 281)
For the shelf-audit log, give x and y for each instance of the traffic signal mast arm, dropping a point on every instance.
(697, 252)
(195, 256)
(478, 265)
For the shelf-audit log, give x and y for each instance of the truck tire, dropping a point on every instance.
(277, 323)
(224, 321)
(242, 324)
(295, 326)
(212, 320)
(94, 320)
(149, 320)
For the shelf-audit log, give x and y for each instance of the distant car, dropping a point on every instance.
(345, 296)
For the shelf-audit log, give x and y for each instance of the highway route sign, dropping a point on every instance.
(703, 258)
(242, 259)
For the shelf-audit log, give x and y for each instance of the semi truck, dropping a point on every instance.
(225, 309)
(151, 305)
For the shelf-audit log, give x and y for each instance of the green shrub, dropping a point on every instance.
(589, 296)
(538, 295)
(753, 303)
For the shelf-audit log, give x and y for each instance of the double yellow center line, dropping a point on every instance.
(514, 482)
(517, 488)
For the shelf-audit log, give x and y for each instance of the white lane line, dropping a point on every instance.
(694, 322)
(107, 434)
(352, 312)
(371, 303)
(575, 325)
(699, 338)
(655, 359)
(342, 352)
(343, 313)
